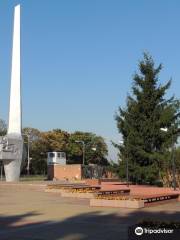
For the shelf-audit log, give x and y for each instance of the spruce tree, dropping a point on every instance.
(145, 145)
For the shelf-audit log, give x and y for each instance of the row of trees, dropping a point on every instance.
(57, 140)
(147, 148)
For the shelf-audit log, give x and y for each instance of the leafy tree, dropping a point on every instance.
(3, 127)
(55, 140)
(145, 145)
(177, 164)
(32, 135)
(95, 148)
(58, 140)
(113, 168)
(3, 131)
(168, 174)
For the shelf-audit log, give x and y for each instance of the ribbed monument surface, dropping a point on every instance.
(11, 145)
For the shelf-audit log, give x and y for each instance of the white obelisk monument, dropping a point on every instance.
(14, 126)
(13, 150)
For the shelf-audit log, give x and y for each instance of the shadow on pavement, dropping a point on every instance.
(89, 226)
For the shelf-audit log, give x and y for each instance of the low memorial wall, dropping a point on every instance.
(65, 172)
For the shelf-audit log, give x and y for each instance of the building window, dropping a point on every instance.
(51, 155)
(63, 155)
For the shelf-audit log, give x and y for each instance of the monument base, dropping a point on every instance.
(12, 170)
(11, 151)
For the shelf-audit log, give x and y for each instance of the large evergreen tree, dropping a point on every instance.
(145, 145)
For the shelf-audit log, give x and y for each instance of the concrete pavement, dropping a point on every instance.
(27, 212)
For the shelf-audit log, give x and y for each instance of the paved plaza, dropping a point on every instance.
(27, 212)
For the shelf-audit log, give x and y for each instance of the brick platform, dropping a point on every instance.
(92, 181)
(77, 194)
(109, 194)
(55, 190)
(117, 203)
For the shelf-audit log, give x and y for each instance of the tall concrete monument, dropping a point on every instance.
(11, 145)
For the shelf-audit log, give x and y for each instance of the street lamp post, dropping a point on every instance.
(127, 170)
(1, 166)
(172, 159)
(127, 165)
(173, 164)
(28, 164)
(83, 144)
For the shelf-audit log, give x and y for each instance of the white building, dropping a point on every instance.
(56, 158)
